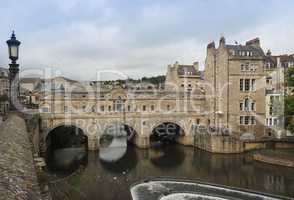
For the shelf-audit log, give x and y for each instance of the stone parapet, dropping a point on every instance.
(18, 178)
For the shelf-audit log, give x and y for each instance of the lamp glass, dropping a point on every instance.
(13, 51)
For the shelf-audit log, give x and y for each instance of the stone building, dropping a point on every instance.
(236, 87)
(4, 91)
(275, 67)
(183, 77)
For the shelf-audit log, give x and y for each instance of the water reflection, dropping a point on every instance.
(240, 170)
(66, 160)
(123, 165)
(66, 149)
(167, 156)
(114, 149)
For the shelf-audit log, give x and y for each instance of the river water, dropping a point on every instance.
(98, 179)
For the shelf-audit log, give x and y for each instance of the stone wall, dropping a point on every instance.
(18, 174)
(218, 143)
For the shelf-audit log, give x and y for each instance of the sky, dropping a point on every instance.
(80, 38)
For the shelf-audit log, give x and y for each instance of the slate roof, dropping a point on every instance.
(284, 59)
(187, 70)
(256, 51)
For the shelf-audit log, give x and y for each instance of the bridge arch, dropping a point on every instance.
(166, 131)
(130, 130)
(66, 135)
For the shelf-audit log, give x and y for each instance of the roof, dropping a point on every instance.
(187, 70)
(284, 59)
(256, 51)
(29, 80)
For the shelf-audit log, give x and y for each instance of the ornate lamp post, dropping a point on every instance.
(13, 50)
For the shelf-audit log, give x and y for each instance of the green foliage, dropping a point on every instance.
(289, 106)
(290, 77)
(156, 80)
(289, 113)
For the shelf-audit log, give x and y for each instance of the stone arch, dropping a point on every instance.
(54, 126)
(79, 131)
(167, 131)
(182, 126)
(132, 132)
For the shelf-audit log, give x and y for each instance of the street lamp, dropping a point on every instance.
(13, 50)
(13, 47)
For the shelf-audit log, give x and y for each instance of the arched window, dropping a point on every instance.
(119, 104)
(247, 104)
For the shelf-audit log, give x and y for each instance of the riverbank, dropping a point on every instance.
(282, 157)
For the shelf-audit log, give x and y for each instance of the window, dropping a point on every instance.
(242, 67)
(144, 108)
(253, 85)
(268, 65)
(247, 84)
(246, 104)
(65, 109)
(270, 121)
(271, 99)
(247, 66)
(152, 107)
(109, 108)
(129, 108)
(45, 109)
(241, 106)
(253, 120)
(270, 110)
(84, 108)
(241, 120)
(102, 108)
(246, 120)
(241, 84)
(252, 106)
(197, 121)
(275, 122)
(252, 67)
(168, 107)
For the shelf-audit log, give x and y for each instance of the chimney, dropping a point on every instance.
(268, 53)
(211, 45)
(196, 66)
(222, 41)
(254, 42)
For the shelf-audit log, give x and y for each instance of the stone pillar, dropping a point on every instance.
(142, 142)
(187, 140)
(93, 143)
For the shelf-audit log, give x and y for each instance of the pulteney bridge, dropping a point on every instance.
(140, 110)
(143, 126)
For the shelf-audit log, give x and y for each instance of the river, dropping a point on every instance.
(102, 180)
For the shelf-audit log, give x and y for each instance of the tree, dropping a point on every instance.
(289, 113)
(290, 77)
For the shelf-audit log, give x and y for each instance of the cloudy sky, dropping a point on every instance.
(139, 37)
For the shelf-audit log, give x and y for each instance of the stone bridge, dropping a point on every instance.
(94, 125)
